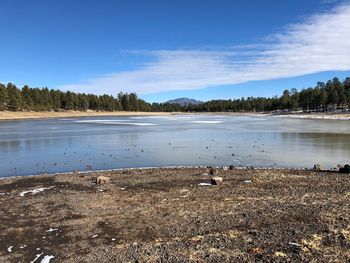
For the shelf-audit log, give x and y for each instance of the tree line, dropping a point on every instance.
(35, 99)
(329, 96)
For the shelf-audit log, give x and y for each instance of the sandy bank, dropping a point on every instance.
(316, 116)
(165, 215)
(10, 115)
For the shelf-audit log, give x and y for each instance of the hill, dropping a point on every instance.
(185, 101)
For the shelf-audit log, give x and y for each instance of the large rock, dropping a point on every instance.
(345, 169)
(213, 171)
(216, 180)
(317, 167)
(102, 179)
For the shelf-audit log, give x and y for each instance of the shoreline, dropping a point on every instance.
(314, 116)
(170, 167)
(9, 115)
(173, 214)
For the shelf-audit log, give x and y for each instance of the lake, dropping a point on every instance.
(97, 143)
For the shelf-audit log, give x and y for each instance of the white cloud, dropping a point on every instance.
(321, 43)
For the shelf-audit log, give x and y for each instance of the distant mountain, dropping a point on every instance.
(184, 101)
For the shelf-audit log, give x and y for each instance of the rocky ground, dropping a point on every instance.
(164, 215)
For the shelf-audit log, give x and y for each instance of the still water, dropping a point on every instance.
(95, 143)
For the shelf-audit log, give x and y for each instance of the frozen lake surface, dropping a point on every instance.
(95, 143)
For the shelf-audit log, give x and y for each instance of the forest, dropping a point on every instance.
(334, 95)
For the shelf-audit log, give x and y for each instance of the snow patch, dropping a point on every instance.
(117, 122)
(205, 184)
(9, 249)
(35, 191)
(47, 259)
(37, 256)
(52, 229)
(208, 122)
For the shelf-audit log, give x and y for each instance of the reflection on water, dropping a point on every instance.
(59, 145)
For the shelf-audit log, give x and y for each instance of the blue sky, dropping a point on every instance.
(181, 48)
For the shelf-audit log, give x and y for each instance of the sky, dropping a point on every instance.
(166, 49)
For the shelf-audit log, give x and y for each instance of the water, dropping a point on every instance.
(61, 145)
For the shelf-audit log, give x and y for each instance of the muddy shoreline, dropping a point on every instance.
(153, 215)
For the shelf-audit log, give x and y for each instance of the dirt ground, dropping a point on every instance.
(164, 215)
(20, 115)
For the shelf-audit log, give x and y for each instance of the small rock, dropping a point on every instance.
(280, 254)
(216, 180)
(317, 167)
(102, 179)
(256, 250)
(213, 171)
(295, 247)
(345, 169)
(231, 167)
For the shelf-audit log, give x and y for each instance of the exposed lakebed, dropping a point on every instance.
(173, 215)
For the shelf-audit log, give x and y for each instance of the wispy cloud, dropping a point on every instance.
(320, 43)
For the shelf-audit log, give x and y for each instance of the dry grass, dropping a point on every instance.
(10, 115)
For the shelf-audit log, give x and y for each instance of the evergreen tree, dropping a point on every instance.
(56, 99)
(134, 102)
(70, 101)
(346, 85)
(286, 100)
(83, 103)
(15, 101)
(124, 100)
(332, 99)
(27, 98)
(46, 99)
(3, 97)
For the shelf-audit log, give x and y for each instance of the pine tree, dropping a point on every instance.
(15, 101)
(133, 102)
(56, 99)
(3, 97)
(83, 103)
(27, 98)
